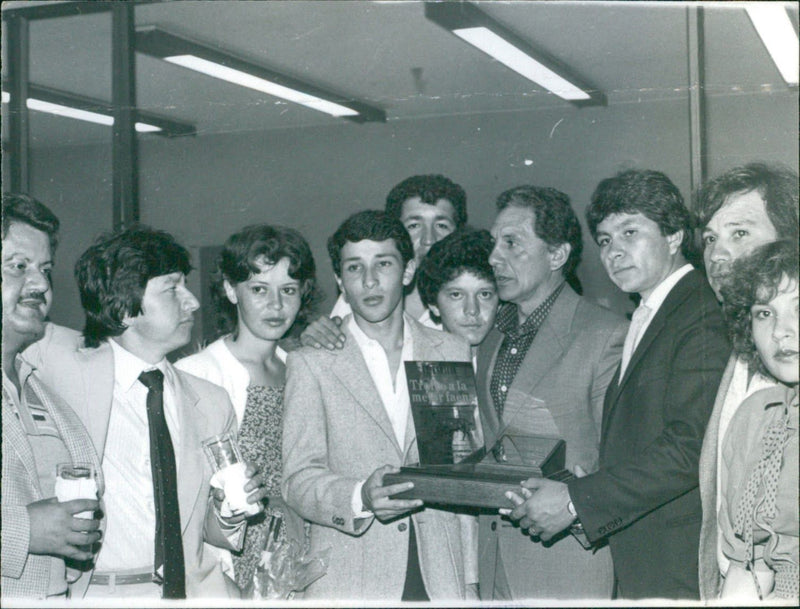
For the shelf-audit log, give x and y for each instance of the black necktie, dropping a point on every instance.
(168, 547)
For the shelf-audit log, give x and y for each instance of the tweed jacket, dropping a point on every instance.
(336, 433)
(27, 575)
(85, 378)
(644, 497)
(558, 391)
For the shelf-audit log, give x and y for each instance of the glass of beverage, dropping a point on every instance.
(76, 481)
(229, 467)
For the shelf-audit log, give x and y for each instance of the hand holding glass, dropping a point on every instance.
(229, 467)
(76, 481)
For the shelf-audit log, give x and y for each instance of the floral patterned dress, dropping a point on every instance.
(260, 435)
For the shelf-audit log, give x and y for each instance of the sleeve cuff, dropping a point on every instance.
(355, 502)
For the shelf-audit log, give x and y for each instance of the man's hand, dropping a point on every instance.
(255, 486)
(375, 496)
(543, 512)
(324, 332)
(56, 531)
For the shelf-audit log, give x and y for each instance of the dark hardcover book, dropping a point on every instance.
(444, 403)
(455, 468)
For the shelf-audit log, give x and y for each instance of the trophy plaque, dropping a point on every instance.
(455, 469)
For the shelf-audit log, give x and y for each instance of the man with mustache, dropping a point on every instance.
(644, 497)
(738, 211)
(39, 429)
(543, 369)
(147, 421)
(348, 422)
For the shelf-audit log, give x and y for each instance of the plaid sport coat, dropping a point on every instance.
(27, 575)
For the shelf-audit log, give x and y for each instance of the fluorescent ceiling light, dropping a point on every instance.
(211, 60)
(510, 56)
(778, 35)
(83, 115)
(244, 79)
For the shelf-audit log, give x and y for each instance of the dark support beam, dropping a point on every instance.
(697, 114)
(123, 99)
(18, 126)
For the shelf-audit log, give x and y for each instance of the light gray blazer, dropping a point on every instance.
(708, 567)
(558, 392)
(336, 433)
(85, 379)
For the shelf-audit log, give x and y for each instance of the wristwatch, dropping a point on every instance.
(571, 509)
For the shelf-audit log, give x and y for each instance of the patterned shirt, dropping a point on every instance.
(515, 345)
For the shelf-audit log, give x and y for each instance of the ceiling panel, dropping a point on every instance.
(389, 55)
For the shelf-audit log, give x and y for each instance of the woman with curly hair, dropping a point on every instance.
(264, 286)
(758, 515)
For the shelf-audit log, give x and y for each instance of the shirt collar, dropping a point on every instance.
(507, 320)
(363, 341)
(659, 295)
(128, 367)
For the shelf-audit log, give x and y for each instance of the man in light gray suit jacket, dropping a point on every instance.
(347, 422)
(39, 430)
(738, 211)
(160, 510)
(543, 370)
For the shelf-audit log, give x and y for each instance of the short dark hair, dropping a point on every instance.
(647, 192)
(372, 225)
(776, 184)
(458, 253)
(754, 279)
(556, 222)
(24, 209)
(237, 263)
(113, 273)
(429, 189)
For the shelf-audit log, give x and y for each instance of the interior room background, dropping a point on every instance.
(310, 171)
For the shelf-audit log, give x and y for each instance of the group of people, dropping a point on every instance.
(681, 427)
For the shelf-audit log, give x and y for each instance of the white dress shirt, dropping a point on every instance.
(394, 395)
(129, 539)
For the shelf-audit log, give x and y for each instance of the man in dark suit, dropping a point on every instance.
(644, 498)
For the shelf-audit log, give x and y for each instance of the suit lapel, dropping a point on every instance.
(487, 355)
(545, 351)
(674, 299)
(98, 388)
(190, 463)
(349, 367)
(71, 432)
(17, 439)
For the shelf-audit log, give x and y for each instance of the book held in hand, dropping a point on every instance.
(455, 468)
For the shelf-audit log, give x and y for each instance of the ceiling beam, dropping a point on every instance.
(51, 10)
(170, 127)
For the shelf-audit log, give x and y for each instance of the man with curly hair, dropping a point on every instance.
(743, 208)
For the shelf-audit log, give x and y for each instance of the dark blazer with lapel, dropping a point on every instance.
(85, 378)
(558, 391)
(336, 433)
(645, 496)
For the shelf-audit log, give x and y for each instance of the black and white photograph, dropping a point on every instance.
(230, 228)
